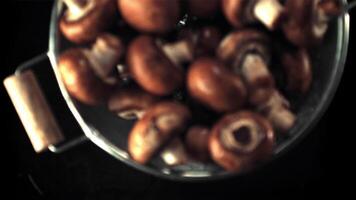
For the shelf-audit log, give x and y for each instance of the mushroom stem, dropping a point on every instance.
(254, 68)
(281, 118)
(75, 6)
(268, 12)
(277, 111)
(178, 52)
(104, 55)
(258, 78)
(321, 22)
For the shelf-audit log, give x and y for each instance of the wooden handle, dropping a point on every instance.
(33, 110)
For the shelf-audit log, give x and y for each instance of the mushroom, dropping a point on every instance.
(80, 79)
(197, 142)
(277, 111)
(203, 8)
(131, 102)
(212, 84)
(151, 68)
(238, 141)
(244, 12)
(159, 124)
(246, 52)
(307, 21)
(86, 73)
(152, 16)
(298, 70)
(84, 20)
(175, 153)
(204, 40)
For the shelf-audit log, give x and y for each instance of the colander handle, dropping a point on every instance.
(34, 111)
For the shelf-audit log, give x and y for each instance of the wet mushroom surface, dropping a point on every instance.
(186, 87)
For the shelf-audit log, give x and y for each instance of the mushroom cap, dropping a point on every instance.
(159, 124)
(300, 25)
(80, 79)
(197, 142)
(203, 8)
(152, 16)
(131, 100)
(209, 82)
(298, 70)
(238, 12)
(232, 159)
(88, 27)
(151, 68)
(234, 47)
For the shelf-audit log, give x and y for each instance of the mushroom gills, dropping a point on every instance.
(242, 136)
(268, 12)
(130, 102)
(78, 8)
(131, 114)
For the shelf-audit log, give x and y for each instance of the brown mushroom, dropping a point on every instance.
(175, 153)
(277, 111)
(152, 16)
(212, 84)
(130, 102)
(307, 21)
(84, 20)
(87, 73)
(80, 78)
(159, 124)
(238, 141)
(203, 8)
(298, 70)
(197, 142)
(246, 52)
(243, 12)
(151, 68)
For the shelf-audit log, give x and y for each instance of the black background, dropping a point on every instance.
(319, 166)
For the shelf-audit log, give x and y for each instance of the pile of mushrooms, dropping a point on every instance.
(198, 76)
